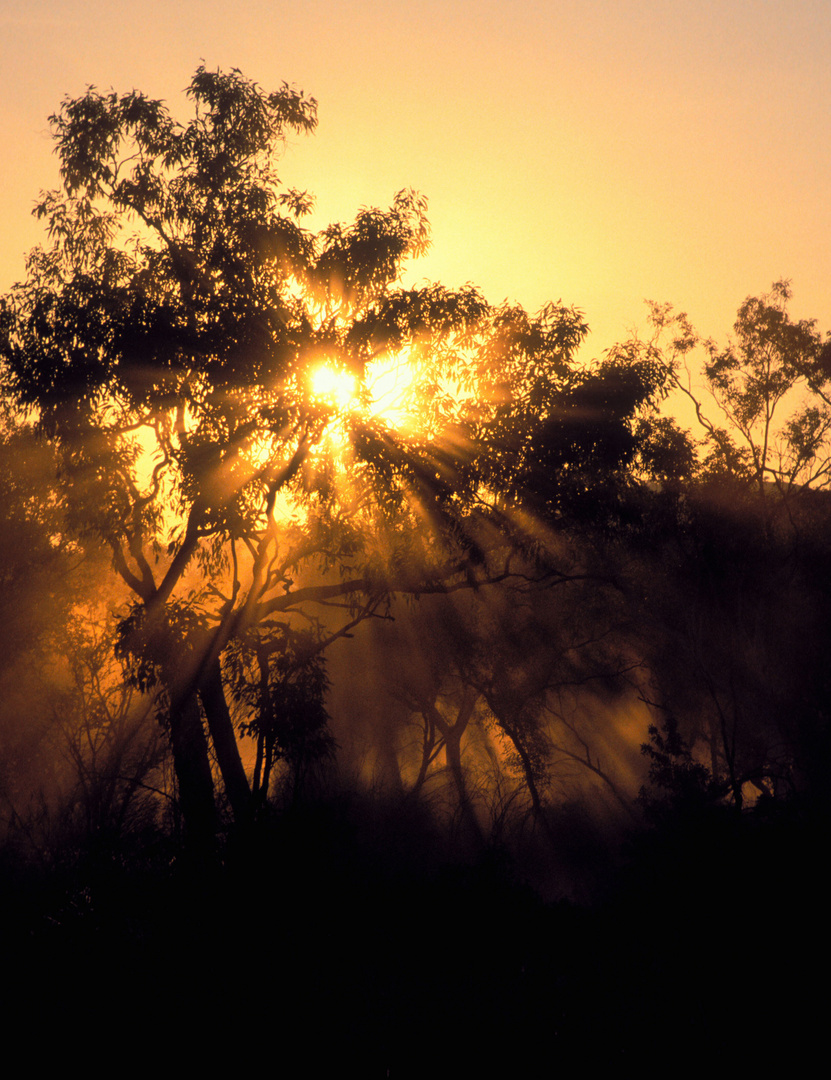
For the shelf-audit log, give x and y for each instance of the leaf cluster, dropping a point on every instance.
(677, 782)
(277, 674)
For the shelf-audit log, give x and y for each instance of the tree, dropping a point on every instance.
(770, 389)
(76, 745)
(732, 587)
(111, 752)
(278, 675)
(562, 441)
(39, 584)
(216, 379)
(509, 694)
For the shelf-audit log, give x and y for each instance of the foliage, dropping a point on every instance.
(144, 646)
(108, 734)
(769, 385)
(728, 579)
(278, 675)
(567, 540)
(677, 781)
(84, 757)
(35, 555)
(562, 439)
(169, 341)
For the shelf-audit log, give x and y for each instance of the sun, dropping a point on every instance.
(339, 388)
(383, 396)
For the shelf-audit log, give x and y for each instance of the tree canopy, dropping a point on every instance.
(313, 574)
(764, 410)
(274, 436)
(256, 418)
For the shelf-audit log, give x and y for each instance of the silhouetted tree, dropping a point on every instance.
(78, 748)
(171, 342)
(678, 783)
(563, 441)
(512, 689)
(112, 750)
(766, 418)
(736, 609)
(174, 370)
(41, 577)
(279, 676)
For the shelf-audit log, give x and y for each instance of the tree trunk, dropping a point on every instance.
(511, 729)
(221, 727)
(193, 774)
(453, 755)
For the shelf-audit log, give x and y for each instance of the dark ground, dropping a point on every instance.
(306, 945)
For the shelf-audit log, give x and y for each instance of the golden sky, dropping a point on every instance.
(594, 151)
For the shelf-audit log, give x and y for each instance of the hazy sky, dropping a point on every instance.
(594, 151)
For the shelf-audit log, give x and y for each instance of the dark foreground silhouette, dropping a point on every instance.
(321, 731)
(316, 944)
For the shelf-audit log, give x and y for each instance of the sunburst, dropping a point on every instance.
(384, 396)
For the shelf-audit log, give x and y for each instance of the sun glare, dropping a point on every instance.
(386, 395)
(390, 384)
(338, 387)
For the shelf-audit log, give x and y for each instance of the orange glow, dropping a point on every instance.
(338, 387)
(390, 384)
(386, 395)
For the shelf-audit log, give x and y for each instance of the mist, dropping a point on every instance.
(497, 715)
